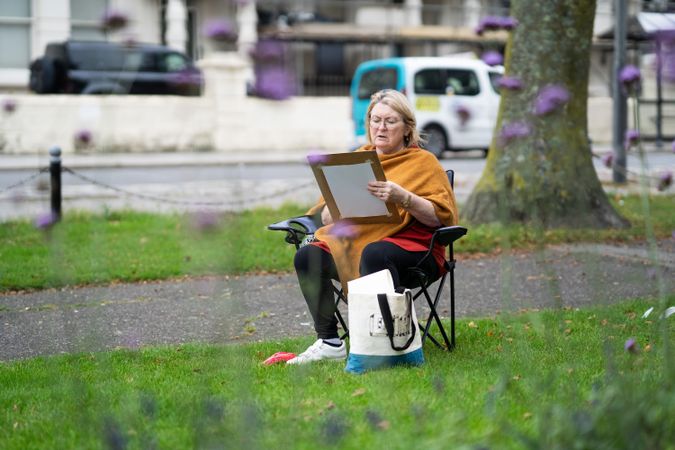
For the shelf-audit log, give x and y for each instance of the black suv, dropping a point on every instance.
(81, 67)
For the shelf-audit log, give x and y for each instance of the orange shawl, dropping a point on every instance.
(413, 169)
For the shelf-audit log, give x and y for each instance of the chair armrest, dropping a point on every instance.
(300, 224)
(447, 235)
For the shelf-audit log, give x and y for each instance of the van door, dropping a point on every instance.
(456, 100)
(476, 101)
(369, 79)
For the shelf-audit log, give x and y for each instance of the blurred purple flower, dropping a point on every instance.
(631, 138)
(630, 77)
(343, 229)
(511, 83)
(550, 98)
(114, 20)
(205, 220)
(315, 157)
(274, 83)
(45, 221)
(9, 105)
(492, 58)
(488, 23)
(672, 146)
(665, 180)
(221, 30)
(608, 159)
(494, 23)
(463, 114)
(83, 138)
(631, 345)
(666, 53)
(508, 23)
(267, 50)
(514, 130)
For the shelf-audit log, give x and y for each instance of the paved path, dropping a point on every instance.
(268, 307)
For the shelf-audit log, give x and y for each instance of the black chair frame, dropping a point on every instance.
(299, 228)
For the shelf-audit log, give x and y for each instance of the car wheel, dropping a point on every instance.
(436, 140)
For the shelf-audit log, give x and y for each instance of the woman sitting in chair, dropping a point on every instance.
(417, 183)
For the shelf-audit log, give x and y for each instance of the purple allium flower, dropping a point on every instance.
(672, 146)
(492, 58)
(114, 20)
(550, 98)
(608, 159)
(479, 30)
(9, 105)
(221, 30)
(268, 50)
(630, 77)
(508, 23)
(45, 221)
(315, 157)
(514, 130)
(343, 229)
(510, 83)
(631, 138)
(490, 23)
(274, 83)
(83, 137)
(631, 345)
(205, 220)
(463, 114)
(665, 180)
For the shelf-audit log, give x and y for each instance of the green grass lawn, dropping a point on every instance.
(86, 248)
(553, 379)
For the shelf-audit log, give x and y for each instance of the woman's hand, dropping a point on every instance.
(421, 208)
(388, 191)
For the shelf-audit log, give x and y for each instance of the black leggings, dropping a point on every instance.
(316, 270)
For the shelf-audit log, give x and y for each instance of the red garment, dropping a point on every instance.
(415, 238)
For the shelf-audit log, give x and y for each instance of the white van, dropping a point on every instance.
(456, 99)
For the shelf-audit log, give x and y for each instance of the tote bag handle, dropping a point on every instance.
(389, 320)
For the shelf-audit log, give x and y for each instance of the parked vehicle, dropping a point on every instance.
(456, 99)
(82, 67)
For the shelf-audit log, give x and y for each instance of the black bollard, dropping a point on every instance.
(55, 178)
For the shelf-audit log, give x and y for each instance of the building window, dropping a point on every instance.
(85, 19)
(15, 21)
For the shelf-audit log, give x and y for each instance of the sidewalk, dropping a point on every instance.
(224, 310)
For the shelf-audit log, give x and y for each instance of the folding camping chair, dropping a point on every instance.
(299, 228)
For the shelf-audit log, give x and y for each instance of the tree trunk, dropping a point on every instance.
(545, 176)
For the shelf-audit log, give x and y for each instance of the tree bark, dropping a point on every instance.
(547, 177)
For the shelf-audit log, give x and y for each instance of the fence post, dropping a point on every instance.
(55, 178)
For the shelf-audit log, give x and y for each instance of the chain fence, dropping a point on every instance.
(631, 177)
(24, 181)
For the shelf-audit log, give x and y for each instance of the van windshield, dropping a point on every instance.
(376, 80)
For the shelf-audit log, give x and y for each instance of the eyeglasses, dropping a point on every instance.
(389, 121)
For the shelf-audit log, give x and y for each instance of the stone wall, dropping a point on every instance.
(224, 120)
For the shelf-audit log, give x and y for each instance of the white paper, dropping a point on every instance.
(349, 186)
(375, 283)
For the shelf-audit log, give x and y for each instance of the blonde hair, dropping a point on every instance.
(399, 103)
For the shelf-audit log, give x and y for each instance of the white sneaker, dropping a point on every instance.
(319, 351)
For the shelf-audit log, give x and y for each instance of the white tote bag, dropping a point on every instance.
(383, 328)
